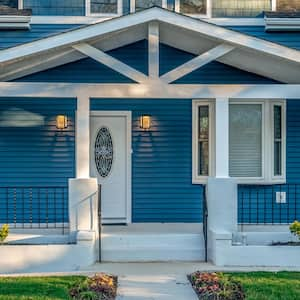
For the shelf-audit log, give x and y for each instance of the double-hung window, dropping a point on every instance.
(256, 141)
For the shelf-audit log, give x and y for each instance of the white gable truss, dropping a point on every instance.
(209, 42)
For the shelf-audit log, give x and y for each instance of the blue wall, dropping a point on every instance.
(162, 189)
(136, 55)
(257, 204)
(34, 154)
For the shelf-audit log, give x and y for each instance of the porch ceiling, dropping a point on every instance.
(182, 32)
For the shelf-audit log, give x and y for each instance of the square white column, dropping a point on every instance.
(83, 137)
(222, 138)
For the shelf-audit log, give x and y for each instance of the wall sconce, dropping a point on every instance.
(145, 122)
(61, 122)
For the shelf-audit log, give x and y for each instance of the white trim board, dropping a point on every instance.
(152, 90)
(128, 116)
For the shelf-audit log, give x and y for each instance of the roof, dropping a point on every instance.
(192, 35)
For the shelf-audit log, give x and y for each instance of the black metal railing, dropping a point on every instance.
(205, 218)
(268, 204)
(34, 207)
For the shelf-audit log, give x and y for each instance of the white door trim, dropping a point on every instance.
(127, 115)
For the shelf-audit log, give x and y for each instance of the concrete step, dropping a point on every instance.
(138, 244)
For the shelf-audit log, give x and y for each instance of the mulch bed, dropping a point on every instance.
(99, 287)
(216, 286)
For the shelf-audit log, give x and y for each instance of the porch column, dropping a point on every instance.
(222, 138)
(83, 137)
(221, 189)
(82, 189)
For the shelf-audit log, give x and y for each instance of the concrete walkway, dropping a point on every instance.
(155, 281)
(159, 281)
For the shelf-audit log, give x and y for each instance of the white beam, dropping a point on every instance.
(153, 49)
(111, 62)
(151, 90)
(197, 62)
(83, 137)
(222, 137)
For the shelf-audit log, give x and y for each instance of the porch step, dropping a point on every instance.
(163, 242)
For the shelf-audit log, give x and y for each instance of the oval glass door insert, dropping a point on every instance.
(104, 152)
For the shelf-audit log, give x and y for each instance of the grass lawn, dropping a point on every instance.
(271, 286)
(36, 288)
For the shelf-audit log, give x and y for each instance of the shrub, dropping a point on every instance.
(295, 229)
(98, 287)
(216, 286)
(4, 233)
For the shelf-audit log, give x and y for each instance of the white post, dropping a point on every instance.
(83, 137)
(221, 189)
(222, 138)
(153, 49)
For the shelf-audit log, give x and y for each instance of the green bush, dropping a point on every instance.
(4, 233)
(295, 229)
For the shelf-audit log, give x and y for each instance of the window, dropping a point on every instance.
(278, 143)
(245, 140)
(143, 4)
(239, 8)
(256, 141)
(192, 7)
(202, 139)
(103, 7)
(287, 5)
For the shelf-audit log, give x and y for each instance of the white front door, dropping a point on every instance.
(111, 163)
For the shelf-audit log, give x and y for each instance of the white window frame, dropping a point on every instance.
(211, 145)
(268, 176)
(88, 12)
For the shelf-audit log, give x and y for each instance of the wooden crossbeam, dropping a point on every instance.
(111, 62)
(197, 62)
(153, 49)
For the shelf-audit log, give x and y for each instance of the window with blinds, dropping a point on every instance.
(245, 140)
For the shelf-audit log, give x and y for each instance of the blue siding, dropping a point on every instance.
(56, 7)
(162, 189)
(288, 39)
(33, 152)
(11, 38)
(135, 55)
(253, 204)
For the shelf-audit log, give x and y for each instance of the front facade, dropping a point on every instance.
(150, 121)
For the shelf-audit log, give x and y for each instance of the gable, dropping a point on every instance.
(135, 55)
(207, 42)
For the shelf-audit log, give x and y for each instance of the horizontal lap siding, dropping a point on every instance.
(257, 204)
(11, 38)
(162, 189)
(33, 153)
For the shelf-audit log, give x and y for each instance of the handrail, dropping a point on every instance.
(91, 198)
(205, 217)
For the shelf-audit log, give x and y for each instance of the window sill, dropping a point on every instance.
(250, 181)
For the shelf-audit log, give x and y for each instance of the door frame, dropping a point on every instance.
(128, 117)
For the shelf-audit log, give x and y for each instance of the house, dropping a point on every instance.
(138, 133)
